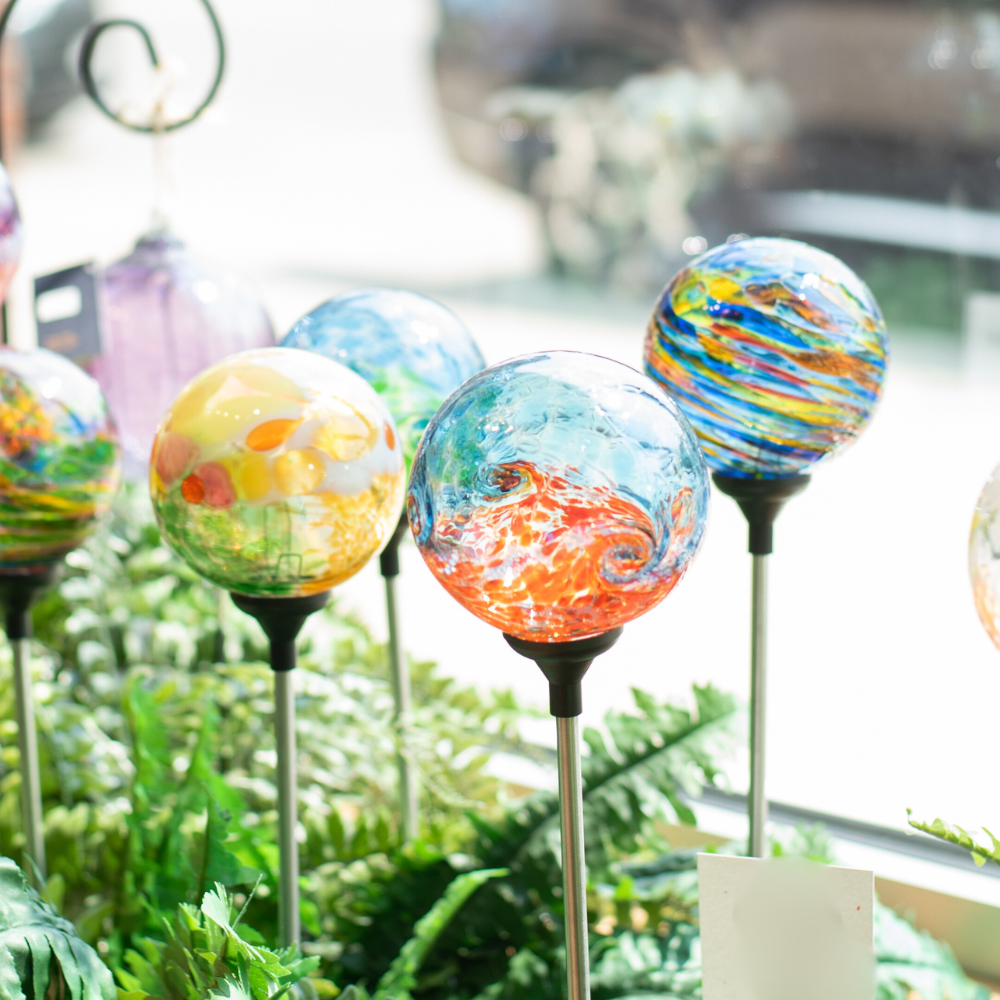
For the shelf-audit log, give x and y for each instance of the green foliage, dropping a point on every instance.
(913, 962)
(40, 951)
(510, 939)
(158, 758)
(961, 838)
(646, 940)
(401, 976)
(811, 842)
(200, 953)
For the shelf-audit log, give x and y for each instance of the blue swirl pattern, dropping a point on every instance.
(775, 351)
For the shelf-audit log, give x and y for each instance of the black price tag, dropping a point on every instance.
(66, 312)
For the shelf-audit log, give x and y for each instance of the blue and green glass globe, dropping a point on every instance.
(411, 349)
(558, 496)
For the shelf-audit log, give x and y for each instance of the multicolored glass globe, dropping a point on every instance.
(558, 496)
(59, 459)
(775, 351)
(11, 234)
(165, 317)
(984, 556)
(411, 349)
(277, 473)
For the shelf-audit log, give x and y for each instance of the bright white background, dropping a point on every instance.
(324, 165)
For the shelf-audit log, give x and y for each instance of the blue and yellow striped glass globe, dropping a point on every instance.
(775, 351)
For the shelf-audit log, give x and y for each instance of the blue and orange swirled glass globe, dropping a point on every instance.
(60, 463)
(557, 496)
(775, 351)
(277, 473)
(412, 350)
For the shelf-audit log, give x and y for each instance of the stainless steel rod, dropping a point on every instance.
(400, 673)
(758, 708)
(31, 781)
(573, 862)
(289, 928)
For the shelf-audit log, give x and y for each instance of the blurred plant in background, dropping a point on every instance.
(624, 164)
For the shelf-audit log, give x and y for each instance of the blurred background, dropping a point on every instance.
(543, 167)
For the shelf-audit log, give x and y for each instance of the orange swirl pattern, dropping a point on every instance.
(553, 556)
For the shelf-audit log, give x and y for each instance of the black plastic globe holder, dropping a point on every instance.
(17, 593)
(282, 619)
(564, 665)
(399, 672)
(761, 500)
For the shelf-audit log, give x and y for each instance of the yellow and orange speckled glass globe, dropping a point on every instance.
(277, 473)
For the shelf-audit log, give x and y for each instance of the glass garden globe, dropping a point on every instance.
(11, 235)
(775, 351)
(59, 459)
(984, 556)
(164, 318)
(277, 473)
(411, 349)
(558, 496)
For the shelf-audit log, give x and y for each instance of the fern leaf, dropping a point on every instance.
(652, 756)
(401, 976)
(954, 834)
(34, 937)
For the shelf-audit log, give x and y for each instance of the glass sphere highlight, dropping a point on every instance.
(277, 473)
(411, 349)
(984, 556)
(164, 318)
(11, 233)
(775, 351)
(558, 496)
(59, 459)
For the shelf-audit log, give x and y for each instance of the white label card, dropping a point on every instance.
(784, 929)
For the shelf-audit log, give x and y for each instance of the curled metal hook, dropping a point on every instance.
(90, 39)
(87, 53)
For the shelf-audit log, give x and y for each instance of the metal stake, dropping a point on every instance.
(17, 593)
(282, 619)
(400, 674)
(289, 923)
(27, 738)
(564, 664)
(573, 864)
(761, 500)
(758, 706)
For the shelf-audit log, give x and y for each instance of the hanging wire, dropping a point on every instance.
(156, 122)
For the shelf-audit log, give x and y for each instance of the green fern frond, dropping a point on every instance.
(636, 776)
(202, 954)
(39, 950)
(401, 976)
(960, 837)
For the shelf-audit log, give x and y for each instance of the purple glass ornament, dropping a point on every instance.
(11, 236)
(164, 319)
